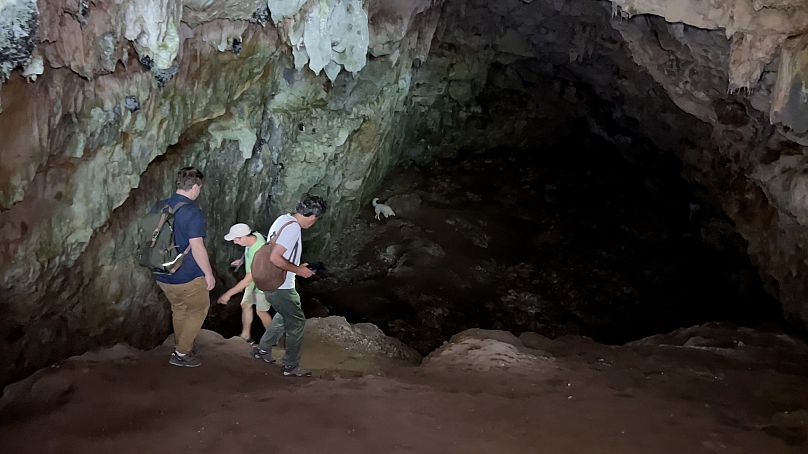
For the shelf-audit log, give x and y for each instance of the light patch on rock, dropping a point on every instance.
(18, 24)
(361, 339)
(482, 355)
(786, 185)
(232, 130)
(199, 11)
(749, 16)
(152, 25)
(389, 23)
(748, 56)
(284, 8)
(34, 68)
(324, 32)
(757, 27)
(221, 34)
(790, 97)
(353, 185)
(332, 70)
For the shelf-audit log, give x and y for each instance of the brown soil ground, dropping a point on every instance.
(577, 397)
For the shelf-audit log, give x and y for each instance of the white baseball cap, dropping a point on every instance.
(237, 230)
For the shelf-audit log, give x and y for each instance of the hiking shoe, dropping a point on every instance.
(184, 361)
(295, 371)
(260, 353)
(250, 341)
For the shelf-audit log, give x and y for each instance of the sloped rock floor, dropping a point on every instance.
(708, 389)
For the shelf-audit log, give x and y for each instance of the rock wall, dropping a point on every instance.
(102, 101)
(130, 92)
(721, 85)
(756, 52)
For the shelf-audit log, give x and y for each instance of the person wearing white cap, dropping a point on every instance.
(242, 235)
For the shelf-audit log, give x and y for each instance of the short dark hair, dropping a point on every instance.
(311, 205)
(187, 177)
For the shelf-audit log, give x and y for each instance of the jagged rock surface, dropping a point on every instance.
(636, 77)
(96, 139)
(18, 21)
(359, 340)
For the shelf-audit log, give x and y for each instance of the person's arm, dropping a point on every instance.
(238, 288)
(280, 261)
(201, 256)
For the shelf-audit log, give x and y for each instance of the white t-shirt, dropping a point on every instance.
(291, 240)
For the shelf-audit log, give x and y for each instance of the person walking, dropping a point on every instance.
(188, 288)
(242, 235)
(286, 254)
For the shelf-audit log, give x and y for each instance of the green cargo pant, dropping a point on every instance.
(290, 320)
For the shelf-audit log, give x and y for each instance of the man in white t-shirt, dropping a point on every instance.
(286, 301)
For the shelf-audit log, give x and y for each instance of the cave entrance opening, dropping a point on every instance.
(564, 238)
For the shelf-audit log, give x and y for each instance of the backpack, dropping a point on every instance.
(158, 248)
(265, 274)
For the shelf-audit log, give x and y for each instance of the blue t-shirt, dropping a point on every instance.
(189, 222)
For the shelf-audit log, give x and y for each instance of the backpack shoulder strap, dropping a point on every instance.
(172, 210)
(167, 213)
(275, 236)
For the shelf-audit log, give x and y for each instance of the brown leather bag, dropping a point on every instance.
(265, 274)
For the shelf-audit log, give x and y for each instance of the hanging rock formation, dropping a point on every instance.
(102, 101)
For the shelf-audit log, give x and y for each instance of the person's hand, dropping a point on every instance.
(210, 281)
(237, 263)
(304, 271)
(224, 299)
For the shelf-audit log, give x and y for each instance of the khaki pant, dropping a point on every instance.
(189, 307)
(254, 297)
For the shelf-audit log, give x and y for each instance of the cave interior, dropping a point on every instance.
(590, 167)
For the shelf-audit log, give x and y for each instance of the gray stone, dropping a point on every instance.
(360, 339)
(405, 205)
(18, 29)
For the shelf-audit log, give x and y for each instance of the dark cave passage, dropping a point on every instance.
(563, 238)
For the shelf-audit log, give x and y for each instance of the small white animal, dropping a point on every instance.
(382, 209)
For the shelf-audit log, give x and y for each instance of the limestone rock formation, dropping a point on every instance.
(133, 90)
(19, 21)
(765, 208)
(358, 341)
(272, 99)
(485, 350)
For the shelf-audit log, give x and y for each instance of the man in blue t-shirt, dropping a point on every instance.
(188, 288)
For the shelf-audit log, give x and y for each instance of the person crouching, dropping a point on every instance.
(242, 235)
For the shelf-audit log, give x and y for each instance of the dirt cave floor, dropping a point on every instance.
(710, 389)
